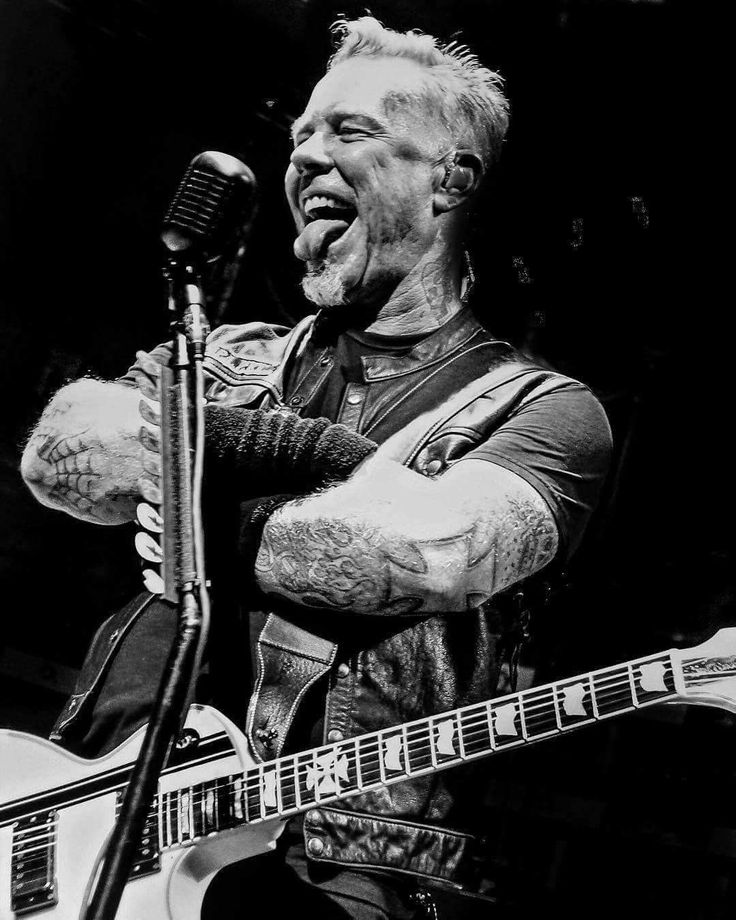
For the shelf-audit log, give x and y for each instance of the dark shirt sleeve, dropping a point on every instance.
(560, 443)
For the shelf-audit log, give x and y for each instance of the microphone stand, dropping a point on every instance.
(182, 422)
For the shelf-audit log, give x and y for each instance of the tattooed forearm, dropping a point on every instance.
(352, 563)
(85, 456)
(71, 466)
(334, 564)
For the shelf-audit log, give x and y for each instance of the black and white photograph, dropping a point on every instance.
(366, 518)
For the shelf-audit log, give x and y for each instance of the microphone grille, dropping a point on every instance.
(213, 200)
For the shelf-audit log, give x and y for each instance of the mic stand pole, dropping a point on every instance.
(182, 401)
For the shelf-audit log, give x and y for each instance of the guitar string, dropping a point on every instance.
(419, 748)
(369, 747)
(292, 772)
(251, 782)
(421, 754)
(602, 687)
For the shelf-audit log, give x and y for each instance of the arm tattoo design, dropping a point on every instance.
(74, 468)
(71, 460)
(333, 564)
(342, 565)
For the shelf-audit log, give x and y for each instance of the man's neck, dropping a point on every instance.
(425, 300)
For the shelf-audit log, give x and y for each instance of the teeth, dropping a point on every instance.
(321, 201)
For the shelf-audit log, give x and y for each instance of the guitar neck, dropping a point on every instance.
(298, 782)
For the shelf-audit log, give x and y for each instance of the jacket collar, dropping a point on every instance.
(455, 334)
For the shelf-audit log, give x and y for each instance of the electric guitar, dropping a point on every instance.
(215, 805)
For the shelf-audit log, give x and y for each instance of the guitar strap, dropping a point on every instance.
(289, 660)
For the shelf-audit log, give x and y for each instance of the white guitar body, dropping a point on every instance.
(176, 891)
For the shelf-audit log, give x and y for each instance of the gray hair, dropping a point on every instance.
(463, 95)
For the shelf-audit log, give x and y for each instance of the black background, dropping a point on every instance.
(585, 258)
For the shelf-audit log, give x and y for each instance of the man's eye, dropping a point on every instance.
(350, 131)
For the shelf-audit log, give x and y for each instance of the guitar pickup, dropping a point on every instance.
(33, 864)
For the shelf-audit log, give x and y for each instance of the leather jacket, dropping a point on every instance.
(428, 408)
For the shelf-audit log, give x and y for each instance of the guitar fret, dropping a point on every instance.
(286, 786)
(195, 811)
(167, 806)
(522, 720)
(160, 820)
(369, 764)
(393, 753)
(184, 800)
(634, 698)
(177, 807)
(470, 745)
(489, 720)
(573, 701)
(556, 704)
(200, 804)
(503, 717)
(382, 756)
(221, 802)
(242, 790)
(315, 778)
(209, 812)
(295, 778)
(655, 679)
(613, 692)
(358, 767)
(593, 697)
(541, 716)
(405, 743)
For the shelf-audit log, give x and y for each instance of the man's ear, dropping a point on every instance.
(461, 179)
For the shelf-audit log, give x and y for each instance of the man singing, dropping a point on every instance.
(391, 466)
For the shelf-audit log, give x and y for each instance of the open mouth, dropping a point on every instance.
(326, 219)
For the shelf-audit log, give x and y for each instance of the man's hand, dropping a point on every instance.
(85, 456)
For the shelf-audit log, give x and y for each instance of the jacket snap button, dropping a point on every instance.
(355, 398)
(334, 734)
(296, 401)
(315, 846)
(434, 466)
(343, 670)
(312, 815)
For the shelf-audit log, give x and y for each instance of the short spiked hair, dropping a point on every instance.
(461, 94)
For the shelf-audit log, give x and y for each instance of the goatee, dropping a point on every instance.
(323, 284)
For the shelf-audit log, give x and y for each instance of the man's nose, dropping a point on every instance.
(312, 154)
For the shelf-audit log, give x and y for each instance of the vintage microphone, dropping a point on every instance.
(213, 202)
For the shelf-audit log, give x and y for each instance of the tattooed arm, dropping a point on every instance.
(390, 541)
(84, 456)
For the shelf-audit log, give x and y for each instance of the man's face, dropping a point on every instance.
(361, 181)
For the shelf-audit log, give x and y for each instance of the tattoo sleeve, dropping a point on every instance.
(85, 455)
(353, 563)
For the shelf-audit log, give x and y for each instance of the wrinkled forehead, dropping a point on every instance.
(389, 90)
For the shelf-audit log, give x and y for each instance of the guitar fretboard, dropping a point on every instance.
(301, 781)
